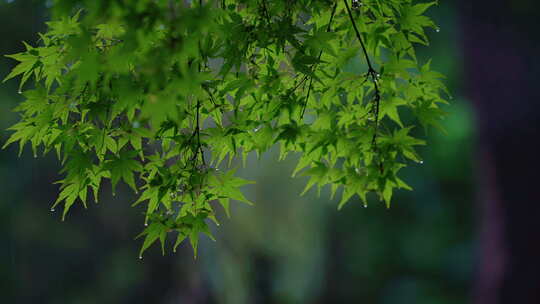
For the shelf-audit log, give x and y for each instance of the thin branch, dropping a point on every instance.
(199, 145)
(364, 49)
(213, 100)
(372, 73)
(316, 64)
(265, 11)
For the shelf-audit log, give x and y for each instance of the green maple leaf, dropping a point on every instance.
(122, 167)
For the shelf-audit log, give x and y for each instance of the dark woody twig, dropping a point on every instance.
(372, 73)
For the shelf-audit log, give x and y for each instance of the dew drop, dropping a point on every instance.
(378, 75)
(421, 162)
(365, 205)
(20, 92)
(52, 209)
(140, 257)
(146, 224)
(437, 30)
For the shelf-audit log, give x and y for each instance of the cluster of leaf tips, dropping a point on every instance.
(160, 94)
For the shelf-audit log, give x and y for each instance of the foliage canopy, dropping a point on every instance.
(159, 94)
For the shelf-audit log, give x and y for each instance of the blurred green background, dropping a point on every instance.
(286, 249)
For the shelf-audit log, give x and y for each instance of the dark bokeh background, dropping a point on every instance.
(445, 242)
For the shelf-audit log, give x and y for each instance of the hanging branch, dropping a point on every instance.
(198, 126)
(318, 59)
(371, 73)
(302, 82)
(198, 130)
(265, 11)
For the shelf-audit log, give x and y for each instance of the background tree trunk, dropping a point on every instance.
(501, 44)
